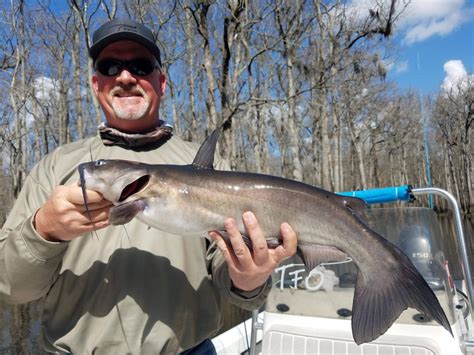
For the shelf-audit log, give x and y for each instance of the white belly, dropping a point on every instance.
(179, 218)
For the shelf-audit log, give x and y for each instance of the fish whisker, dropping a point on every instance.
(82, 184)
(127, 235)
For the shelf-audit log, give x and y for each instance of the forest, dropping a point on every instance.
(300, 87)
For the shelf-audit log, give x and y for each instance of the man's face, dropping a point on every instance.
(130, 102)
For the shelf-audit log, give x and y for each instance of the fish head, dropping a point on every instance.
(116, 180)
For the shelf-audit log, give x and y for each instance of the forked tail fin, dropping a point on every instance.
(379, 301)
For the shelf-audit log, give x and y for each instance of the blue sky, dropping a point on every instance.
(436, 44)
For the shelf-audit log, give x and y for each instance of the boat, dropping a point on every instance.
(309, 311)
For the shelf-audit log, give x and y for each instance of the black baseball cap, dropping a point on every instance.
(123, 29)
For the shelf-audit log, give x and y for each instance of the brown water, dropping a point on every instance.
(451, 246)
(20, 325)
(20, 329)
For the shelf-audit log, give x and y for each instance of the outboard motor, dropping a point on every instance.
(415, 241)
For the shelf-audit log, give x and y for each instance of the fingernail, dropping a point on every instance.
(285, 227)
(249, 217)
(228, 223)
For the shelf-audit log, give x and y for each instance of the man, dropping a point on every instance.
(133, 289)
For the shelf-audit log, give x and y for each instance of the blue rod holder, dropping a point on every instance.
(382, 195)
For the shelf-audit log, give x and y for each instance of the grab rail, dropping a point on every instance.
(461, 240)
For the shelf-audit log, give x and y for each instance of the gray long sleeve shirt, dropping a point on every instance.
(122, 289)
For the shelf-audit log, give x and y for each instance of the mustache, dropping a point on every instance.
(119, 90)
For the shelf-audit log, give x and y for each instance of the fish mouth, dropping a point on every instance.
(134, 187)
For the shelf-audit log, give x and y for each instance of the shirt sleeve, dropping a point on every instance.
(248, 300)
(29, 264)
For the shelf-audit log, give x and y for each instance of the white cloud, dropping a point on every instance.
(401, 67)
(46, 93)
(359, 9)
(46, 89)
(422, 19)
(397, 67)
(456, 76)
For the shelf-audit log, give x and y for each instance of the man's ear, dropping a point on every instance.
(95, 84)
(162, 83)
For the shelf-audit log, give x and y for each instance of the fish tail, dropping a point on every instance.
(380, 299)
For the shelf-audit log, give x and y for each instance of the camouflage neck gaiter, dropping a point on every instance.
(136, 141)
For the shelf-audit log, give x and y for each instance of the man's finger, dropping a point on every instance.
(224, 248)
(94, 206)
(290, 243)
(259, 242)
(74, 195)
(239, 248)
(95, 216)
(86, 228)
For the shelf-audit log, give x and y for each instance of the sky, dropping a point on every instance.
(436, 45)
(435, 42)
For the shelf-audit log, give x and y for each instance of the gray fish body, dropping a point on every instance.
(194, 199)
(189, 201)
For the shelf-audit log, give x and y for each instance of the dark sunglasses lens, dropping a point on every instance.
(141, 67)
(109, 67)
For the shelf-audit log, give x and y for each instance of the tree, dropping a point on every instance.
(454, 116)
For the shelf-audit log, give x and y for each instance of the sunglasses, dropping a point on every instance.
(138, 66)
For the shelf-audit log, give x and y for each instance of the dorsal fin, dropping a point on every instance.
(204, 158)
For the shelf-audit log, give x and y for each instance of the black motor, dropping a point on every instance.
(416, 243)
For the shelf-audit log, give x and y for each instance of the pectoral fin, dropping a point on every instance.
(313, 255)
(125, 212)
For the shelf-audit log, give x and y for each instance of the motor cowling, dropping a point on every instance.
(416, 243)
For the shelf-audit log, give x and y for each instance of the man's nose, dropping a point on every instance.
(125, 77)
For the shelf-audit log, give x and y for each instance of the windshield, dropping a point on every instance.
(327, 290)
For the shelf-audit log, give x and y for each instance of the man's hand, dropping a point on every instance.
(251, 269)
(64, 215)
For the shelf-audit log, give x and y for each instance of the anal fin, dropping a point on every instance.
(314, 254)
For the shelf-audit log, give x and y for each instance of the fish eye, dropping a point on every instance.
(100, 162)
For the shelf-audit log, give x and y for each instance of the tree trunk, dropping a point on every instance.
(200, 16)
(191, 70)
(76, 64)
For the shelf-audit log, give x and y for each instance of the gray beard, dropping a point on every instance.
(137, 113)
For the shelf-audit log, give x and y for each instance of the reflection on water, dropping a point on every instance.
(20, 325)
(20, 329)
(451, 253)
